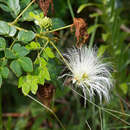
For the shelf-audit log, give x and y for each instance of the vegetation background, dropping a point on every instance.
(21, 40)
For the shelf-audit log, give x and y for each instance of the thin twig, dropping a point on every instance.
(88, 125)
(18, 28)
(47, 108)
(15, 21)
(12, 44)
(100, 115)
(100, 107)
(61, 55)
(122, 99)
(93, 34)
(13, 115)
(41, 51)
(70, 8)
(125, 28)
(58, 29)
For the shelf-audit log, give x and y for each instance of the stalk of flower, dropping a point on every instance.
(88, 72)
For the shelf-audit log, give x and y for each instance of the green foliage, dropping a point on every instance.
(14, 6)
(12, 31)
(57, 23)
(40, 74)
(21, 123)
(3, 62)
(16, 68)
(4, 71)
(33, 45)
(2, 43)
(0, 81)
(92, 28)
(26, 36)
(102, 50)
(20, 51)
(124, 88)
(83, 6)
(28, 83)
(49, 52)
(9, 54)
(4, 28)
(26, 64)
(4, 7)
(43, 22)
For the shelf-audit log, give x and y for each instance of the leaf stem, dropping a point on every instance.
(60, 55)
(100, 115)
(93, 34)
(41, 51)
(58, 29)
(15, 21)
(18, 28)
(104, 109)
(70, 8)
(48, 109)
(12, 44)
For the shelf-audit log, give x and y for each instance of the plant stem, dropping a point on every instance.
(104, 109)
(18, 28)
(88, 125)
(100, 115)
(41, 51)
(12, 44)
(46, 38)
(43, 48)
(47, 108)
(15, 21)
(93, 34)
(70, 8)
(58, 29)
(60, 55)
(43, 37)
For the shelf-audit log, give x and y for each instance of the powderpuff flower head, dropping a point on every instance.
(88, 72)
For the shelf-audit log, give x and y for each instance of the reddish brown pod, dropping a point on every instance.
(45, 93)
(44, 5)
(80, 31)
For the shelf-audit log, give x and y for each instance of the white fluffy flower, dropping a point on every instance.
(89, 72)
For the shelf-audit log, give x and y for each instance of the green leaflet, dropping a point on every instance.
(4, 28)
(28, 83)
(26, 64)
(0, 81)
(2, 43)
(9, 54)
(12, 31)
(33, 45)
(4, 71)
(49, 52)
(26, 36)
(14, 6)
(16, 68)
(20, 51)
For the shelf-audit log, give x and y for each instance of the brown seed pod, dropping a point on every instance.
(45, 93)
(44, 5)
(80, 31)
